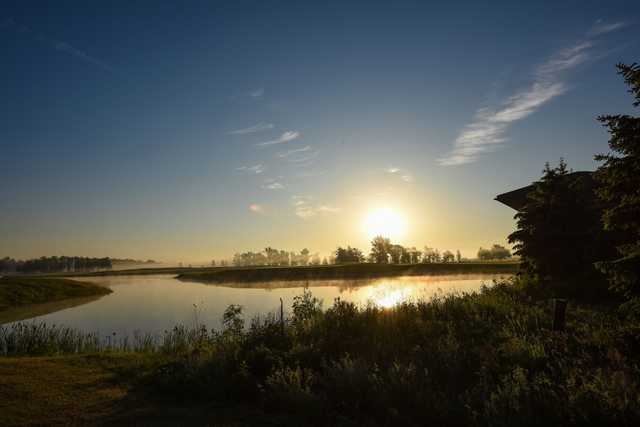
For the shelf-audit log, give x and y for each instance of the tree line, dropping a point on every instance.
(274, 257)
(383, 251)
(54, 264)
(496, 252)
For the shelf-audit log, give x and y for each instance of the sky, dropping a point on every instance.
(188, 131)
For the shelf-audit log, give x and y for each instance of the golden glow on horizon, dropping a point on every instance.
(386, 223)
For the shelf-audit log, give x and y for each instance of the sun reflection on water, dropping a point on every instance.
(387, 294)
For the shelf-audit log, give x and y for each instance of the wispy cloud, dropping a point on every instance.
(305, 208)
(285, 137)
(288, 153)
(255, 169)
(404, 175)
(305, 158)
(252, 129)
(601, 27)
(58, 45)
(67, 48)
(256, 208)
(311, 174)
(487, 130)
(272, 184)
(256, 93)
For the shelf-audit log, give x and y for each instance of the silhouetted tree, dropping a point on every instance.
(559, 235)
(55, 264)
(414, 255)
(348, 255)
(619, 189)
(496, 252)
(458, 256)
(380, 250)
(315, 260)
(398, 254)
(430, 255)
(447, 256)
(303, 258)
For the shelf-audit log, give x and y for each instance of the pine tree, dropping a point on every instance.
(559, 234)
(619, 190)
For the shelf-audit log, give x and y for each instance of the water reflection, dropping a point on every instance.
(153, 304)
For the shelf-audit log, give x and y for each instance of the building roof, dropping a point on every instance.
(517, 199)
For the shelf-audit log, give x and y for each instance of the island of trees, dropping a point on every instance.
(383, 251)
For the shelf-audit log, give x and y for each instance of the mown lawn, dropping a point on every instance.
(101, 389)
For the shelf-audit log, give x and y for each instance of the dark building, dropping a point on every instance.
(516, 199)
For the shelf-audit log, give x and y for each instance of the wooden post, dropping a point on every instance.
(559, 311)
(282, 316)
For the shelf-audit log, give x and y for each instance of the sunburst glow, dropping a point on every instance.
(386, 223)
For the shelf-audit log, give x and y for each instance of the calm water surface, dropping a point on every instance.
(153, 304)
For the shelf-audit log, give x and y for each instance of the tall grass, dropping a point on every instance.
(41, 339)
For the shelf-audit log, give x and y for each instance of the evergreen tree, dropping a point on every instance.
(559, 234)
(619, 189)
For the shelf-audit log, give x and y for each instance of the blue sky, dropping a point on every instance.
(188, 131)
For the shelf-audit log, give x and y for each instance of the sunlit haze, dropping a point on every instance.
(385, 222)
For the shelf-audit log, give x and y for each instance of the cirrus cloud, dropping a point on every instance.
(305, 208)
(287, 136)
(252, 129)
(487, 130)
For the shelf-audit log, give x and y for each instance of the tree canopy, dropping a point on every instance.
(348, 255)
(619, 189)
(559, 235)
(495, 252)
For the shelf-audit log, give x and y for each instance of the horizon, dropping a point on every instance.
(191, 132)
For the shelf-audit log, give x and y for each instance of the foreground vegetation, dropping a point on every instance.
(20, 290)
(488, 358)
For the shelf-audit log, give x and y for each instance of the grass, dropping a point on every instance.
(347, 271)
(18, 291)
(488, 358)
(98, 390)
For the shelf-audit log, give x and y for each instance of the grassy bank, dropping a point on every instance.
(107, 389)
(336, 272)
(484, 359)
(16, 291)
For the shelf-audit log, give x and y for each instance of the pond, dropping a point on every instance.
(153, 304)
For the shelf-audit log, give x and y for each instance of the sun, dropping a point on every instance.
(386, 223)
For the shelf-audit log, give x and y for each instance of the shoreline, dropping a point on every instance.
(341, 272)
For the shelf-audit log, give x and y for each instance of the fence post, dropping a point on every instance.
(559, 311)
(281, 316)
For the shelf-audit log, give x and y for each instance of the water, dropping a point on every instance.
(153, 304)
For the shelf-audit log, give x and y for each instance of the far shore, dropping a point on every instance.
(337, 272)
(315, 272)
